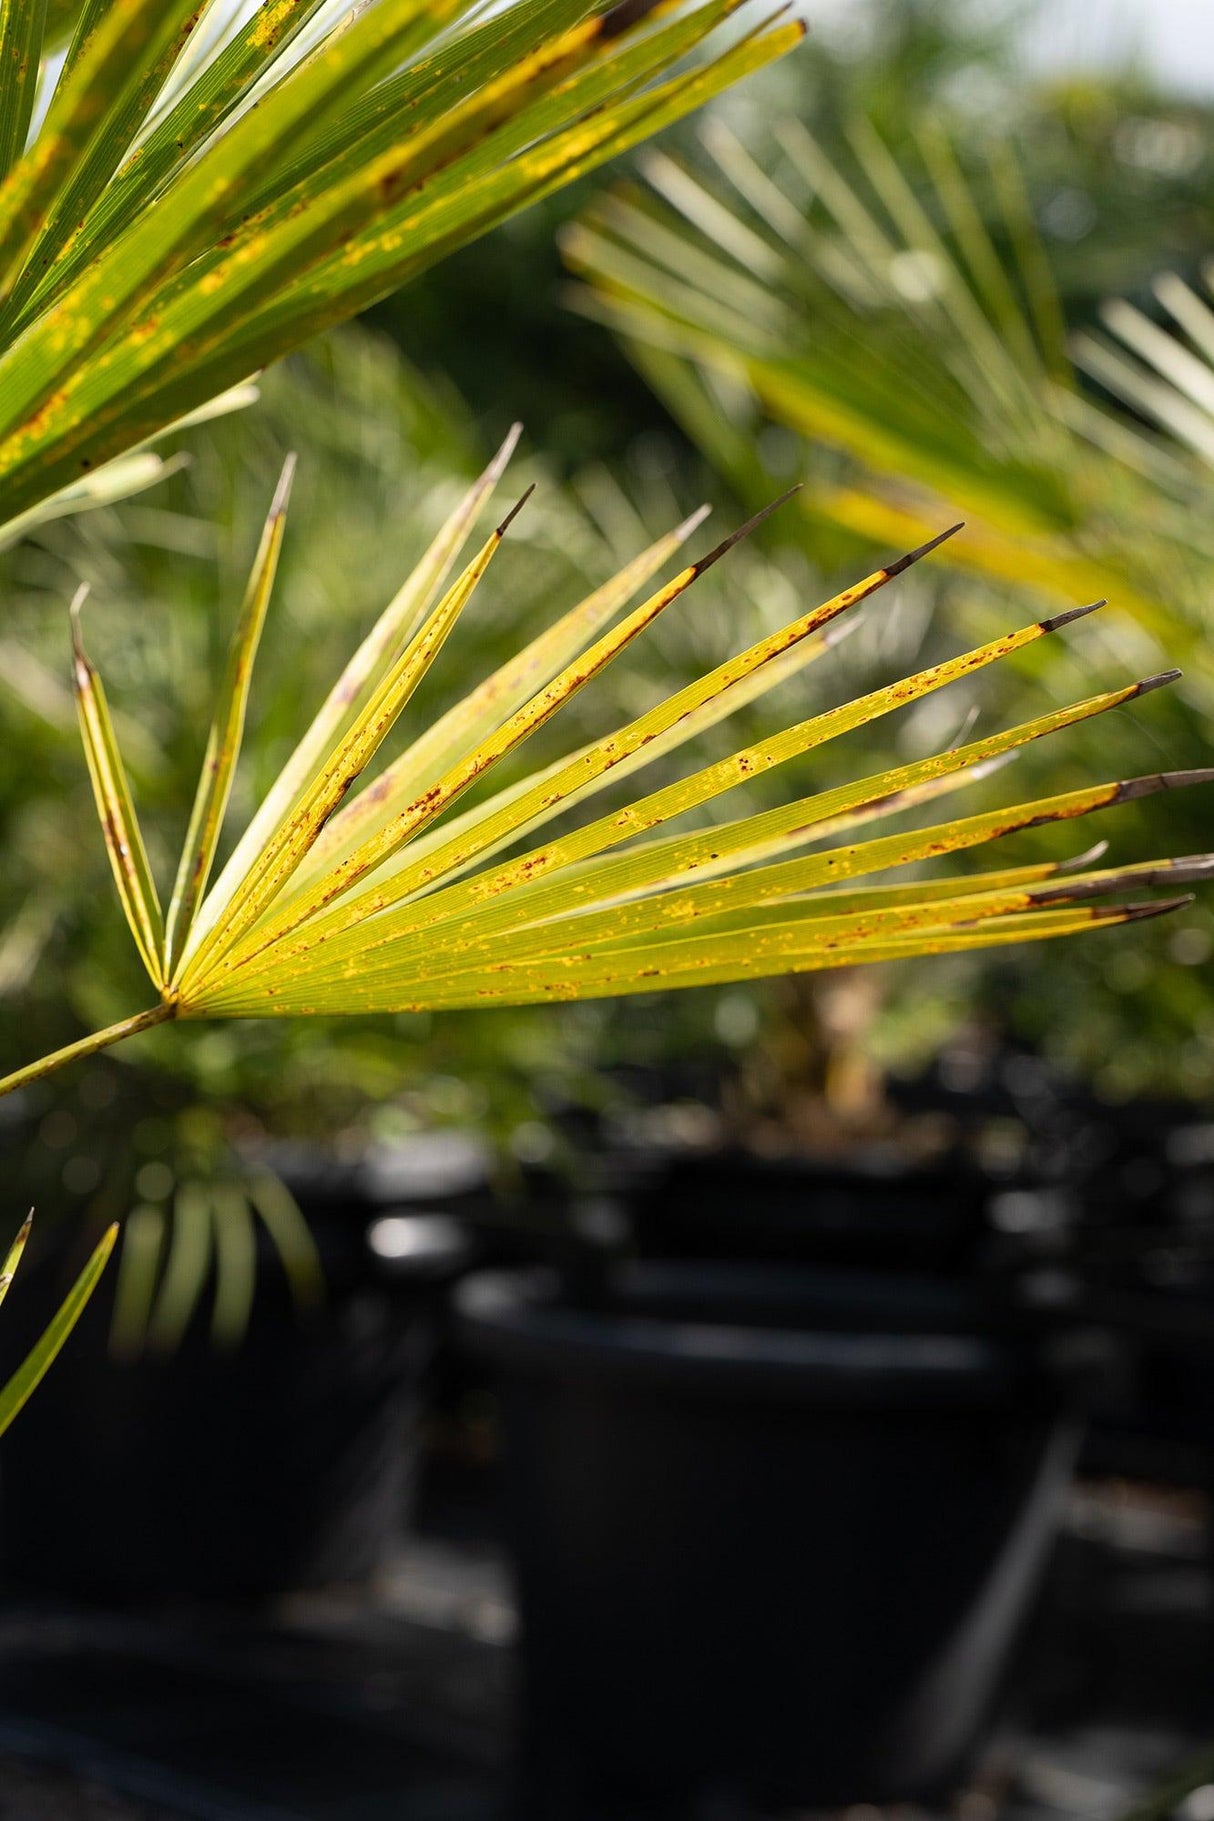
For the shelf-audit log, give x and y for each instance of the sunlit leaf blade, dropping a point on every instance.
(397, 623)
(119, 279)
(22, 24)
(159, 36)
(8, 1269)
(98, 102)
(597, 761)
(709, 714)
(220, 87)
(412, 909)
(479, 54)
(455, 214)
(120, 825)
(227, 730)
(568, 784)
(711, 910)
(30, 1373)
(1153, 370)
(712, 960)
(474, 719)
(189, 213)
(411, 942)
(351, 754)
(836, 902)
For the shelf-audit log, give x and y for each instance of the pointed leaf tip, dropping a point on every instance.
(514, 511)
(1189, 868)
(1088, 857)
(933, 543)
(1155, 907)
(1147, 684)
(837, 631)
(986, 768)
(286, 480)
(1073, 613)
(73, 612)
(1161, 780)
(497, 467)
(12, 1257)
(693, 521)
(735, 537)
(1179, 780)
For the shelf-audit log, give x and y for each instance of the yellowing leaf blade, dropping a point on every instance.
(602, 758)
(351, 754)
(397, 622)
(116, 810)
(227, 730)
(8, 1269)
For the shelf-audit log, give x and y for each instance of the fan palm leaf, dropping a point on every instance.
(903, 315)
(379, 900)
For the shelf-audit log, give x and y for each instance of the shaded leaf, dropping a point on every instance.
(39, 1360)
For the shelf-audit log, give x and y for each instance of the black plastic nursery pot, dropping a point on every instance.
(283, 1463)
(855, 1212)
(775, 1531)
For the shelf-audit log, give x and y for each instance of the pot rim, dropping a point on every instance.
(519, 1319)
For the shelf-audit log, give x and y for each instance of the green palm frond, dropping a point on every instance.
(1162, 371)
(29, 1374)
(903, 316)
(399, 898)
(207, 1232)
(207, 186)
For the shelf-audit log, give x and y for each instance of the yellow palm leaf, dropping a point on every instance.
(340, 900)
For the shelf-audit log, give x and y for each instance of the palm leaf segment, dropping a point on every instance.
(394, 897)
(900, 312)
(38, 1361)
(209, 185)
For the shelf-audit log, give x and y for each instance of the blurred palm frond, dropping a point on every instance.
(904, 317)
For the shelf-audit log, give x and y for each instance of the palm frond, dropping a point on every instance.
(206, 190)
(1165, 373)
(903, 317)
(412, 909)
